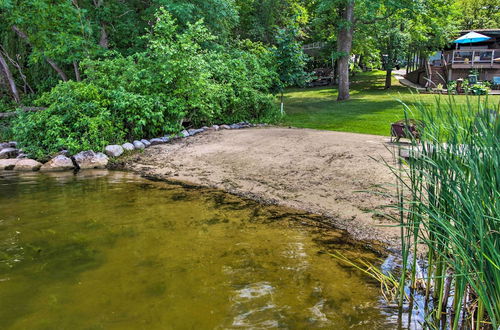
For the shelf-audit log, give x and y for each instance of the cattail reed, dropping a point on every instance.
(449, 211)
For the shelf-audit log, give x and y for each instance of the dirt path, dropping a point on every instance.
(318, 171)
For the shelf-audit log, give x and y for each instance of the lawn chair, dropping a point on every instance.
(407, 129)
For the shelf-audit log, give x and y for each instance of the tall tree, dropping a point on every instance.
(290, 60)
(344, 46)
(478, 14)
(393, 42)
(353, 16)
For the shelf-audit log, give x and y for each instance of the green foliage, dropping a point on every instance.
(78, 118)
(176, 80)
(5, 130)
(220, 16)
(478, 14)
(259, 19)
(392, 43)
(290, 59)
(480, 88)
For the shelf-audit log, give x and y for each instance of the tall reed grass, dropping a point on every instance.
(449, 211)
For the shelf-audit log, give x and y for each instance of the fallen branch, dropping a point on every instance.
(24, 109)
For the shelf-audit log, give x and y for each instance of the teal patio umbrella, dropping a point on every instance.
(471, 37)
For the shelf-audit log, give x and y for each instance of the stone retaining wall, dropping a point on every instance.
(12, 158)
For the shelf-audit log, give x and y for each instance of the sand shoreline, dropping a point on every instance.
(332, 174)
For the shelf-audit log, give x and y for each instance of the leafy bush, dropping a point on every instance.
(78, 118)
(182, 78)
(480, 88)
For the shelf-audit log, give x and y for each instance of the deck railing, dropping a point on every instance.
(315, 45)
(474, 56)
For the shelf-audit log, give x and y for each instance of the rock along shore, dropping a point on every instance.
(14, 159)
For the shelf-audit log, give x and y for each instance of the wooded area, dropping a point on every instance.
(42, 42)
(157, 65)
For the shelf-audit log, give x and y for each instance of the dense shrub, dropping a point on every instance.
(78, 118)
(182, 78)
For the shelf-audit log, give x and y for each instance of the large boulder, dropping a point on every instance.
(8, 164)
(139, 145)
(7, 153)
(215, 127)
(128, 146)
(114, 150)
(90, 159)
(224, 127)
(184, 133)
(146, 143)
(27, 165)
(58, 163)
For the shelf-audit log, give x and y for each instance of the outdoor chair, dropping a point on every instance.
(406, 129)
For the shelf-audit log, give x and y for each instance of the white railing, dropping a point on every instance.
(315, 45)
(475, 56)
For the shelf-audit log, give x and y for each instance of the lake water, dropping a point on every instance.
(110, 250)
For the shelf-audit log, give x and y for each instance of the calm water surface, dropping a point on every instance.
(103, 250)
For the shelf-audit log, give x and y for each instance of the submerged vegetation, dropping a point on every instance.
(449, 195)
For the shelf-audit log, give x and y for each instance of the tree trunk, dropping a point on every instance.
(77, 71)
(104, 42)
(388, 78)
(344, 46)
(335, 72)
(361, 64)
(4, 68)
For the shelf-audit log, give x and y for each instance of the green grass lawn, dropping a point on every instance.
(370, 110)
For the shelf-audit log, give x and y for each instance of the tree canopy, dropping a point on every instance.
(103, 43)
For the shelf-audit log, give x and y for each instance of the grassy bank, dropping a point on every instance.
(370, 110)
